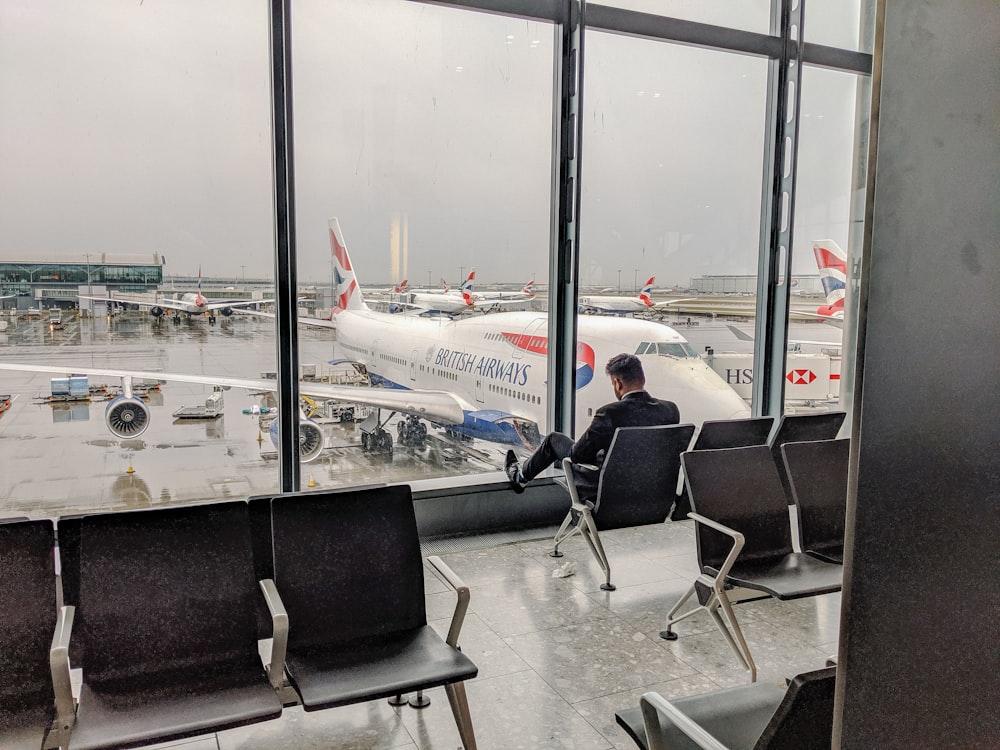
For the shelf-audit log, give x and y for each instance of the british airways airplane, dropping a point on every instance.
(496, 365)
(191, 303)
(481, 377)
(619, 305)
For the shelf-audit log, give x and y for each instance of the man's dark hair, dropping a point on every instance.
(626, 367)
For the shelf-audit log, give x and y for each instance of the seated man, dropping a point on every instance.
(634, 408)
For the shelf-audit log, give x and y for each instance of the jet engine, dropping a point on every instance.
(156, 312)
(226, 311)
(127, 417)
(310, 439)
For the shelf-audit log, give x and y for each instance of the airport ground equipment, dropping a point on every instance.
(817, 474)
(761, 716)
(170, 636)
(27, 625)
(636, 485)
(796, 428)
(349, 573)
(744, 539)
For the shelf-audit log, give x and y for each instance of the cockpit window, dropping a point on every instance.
(677, 349)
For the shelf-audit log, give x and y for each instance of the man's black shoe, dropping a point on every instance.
(513, 472)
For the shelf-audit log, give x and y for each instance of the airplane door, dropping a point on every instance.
(480, 395)
(413, 365)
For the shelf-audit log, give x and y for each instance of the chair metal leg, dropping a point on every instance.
(460, 708)
(561, 535)
(594, 540)
(730, 616)
(669, 634)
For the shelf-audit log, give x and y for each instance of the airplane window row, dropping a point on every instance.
(519, 395)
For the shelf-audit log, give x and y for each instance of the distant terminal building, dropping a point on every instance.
(57, 281)
(723, 284)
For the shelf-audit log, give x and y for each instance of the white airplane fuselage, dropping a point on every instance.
(497, 366)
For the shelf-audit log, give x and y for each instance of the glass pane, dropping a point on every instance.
(134, 169)
(749, 15)
(673, 147)
(426, 132)
(848, 24)
(827, 164)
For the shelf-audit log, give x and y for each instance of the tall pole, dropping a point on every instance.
(619, 281)
(635, 281)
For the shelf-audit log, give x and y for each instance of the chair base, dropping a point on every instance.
(668, 635)
(398, 700)
(419, 700)
(608, 587)
(555, 553)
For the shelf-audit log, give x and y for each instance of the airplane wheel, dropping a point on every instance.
(385, 443)
(365, 442)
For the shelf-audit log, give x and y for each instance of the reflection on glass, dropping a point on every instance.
(824, 196)
(840, 23)
(136, 169)
(426, 132)
(663, 199)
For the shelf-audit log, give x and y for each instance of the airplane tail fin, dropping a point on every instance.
(347, 295)
(468, 298)
(832, 264)
(468, 283)
(647, 290)
(529, 288)
(402, 287)
(445, 285)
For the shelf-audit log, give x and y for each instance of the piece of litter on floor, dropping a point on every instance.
(565, 570)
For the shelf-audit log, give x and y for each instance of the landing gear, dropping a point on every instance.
(412, 432)
(211, 319)
(176, 319)
(374, 438)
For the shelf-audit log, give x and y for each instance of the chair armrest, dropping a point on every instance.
(59, 666)
(654, 704)
(279, 624)
(461, 606)
(738, 541)
(574, 497)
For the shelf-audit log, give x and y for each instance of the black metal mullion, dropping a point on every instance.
(564, 262)
(777, 214)
(286, 282)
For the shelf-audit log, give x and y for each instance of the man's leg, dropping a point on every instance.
(554, 448)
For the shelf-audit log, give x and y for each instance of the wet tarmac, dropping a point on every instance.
(60, 458)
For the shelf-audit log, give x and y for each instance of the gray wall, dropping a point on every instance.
(920, 641)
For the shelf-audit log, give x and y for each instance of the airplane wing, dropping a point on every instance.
(171, 304)
(438, 406)
(828, 319)
(744, 336)
(303, 320)
(669, 302)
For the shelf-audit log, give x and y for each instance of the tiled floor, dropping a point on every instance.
(558, 656)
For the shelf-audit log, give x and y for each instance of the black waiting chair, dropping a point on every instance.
(724, 433)
(27, 625)
(170, 633)
(744, 539)
(817, 475)
(796, 428)
(635, 486)
(349, 573)
(733, 433)
(761, 716)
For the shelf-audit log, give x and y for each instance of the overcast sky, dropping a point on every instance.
(141, 127)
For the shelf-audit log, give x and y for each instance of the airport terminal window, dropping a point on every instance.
(134, 130)
(426, 131)
(661, 200)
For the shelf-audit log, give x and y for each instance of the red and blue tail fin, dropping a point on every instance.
(645, 296)
(347, 295)
(832, 264)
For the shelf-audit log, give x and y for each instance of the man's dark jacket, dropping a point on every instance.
(635, 409)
